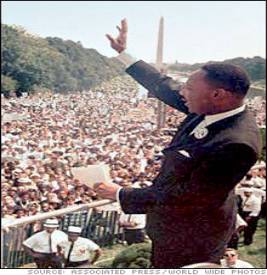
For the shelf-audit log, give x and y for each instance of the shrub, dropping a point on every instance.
(134, 256)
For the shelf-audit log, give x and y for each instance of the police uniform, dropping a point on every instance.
(251, 207)
(44, 245)
(77, 253)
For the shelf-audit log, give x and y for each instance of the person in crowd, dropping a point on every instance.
(42, 246)
(133, 227)
(239, 227)
(251, 207)
(230, 260)
(214, 148)
(77, 250)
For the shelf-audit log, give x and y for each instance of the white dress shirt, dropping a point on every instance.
(139, 219)
(210, 119)
(238, 264)
(251, 204)
(39, 242)
(81, 251)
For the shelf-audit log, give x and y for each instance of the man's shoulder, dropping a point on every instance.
(36, 236)
(239, 129)
(39, 234)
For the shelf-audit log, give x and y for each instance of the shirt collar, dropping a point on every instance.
(209, 119)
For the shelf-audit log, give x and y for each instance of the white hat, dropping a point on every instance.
(24, 180)
(18, 170)
(248, 189)
(52, 223)
(74, 229)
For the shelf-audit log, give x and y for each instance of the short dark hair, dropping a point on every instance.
(227, 76)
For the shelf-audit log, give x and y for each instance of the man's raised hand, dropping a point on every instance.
(119, 43)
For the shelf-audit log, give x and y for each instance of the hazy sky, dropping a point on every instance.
(195, 31)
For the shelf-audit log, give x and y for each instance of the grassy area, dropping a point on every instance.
(256, 253)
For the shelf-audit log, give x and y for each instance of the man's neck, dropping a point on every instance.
(220, 110)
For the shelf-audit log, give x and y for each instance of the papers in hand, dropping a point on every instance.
(92, 174)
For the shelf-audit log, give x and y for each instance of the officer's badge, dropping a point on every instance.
(82, 251)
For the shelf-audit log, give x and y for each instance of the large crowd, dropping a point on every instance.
(49, 134)
(45, 135)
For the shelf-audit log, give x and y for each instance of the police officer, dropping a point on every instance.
(251, 207)
(42, 246)
(77, 250)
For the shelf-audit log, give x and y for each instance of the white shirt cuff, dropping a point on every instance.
(126, 59)
(118, 195)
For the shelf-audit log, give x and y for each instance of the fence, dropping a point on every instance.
(98, 225)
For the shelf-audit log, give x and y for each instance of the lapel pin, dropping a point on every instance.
(201, 133)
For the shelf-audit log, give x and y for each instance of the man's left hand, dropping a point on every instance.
(106, 190)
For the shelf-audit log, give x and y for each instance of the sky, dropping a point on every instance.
(194, 31)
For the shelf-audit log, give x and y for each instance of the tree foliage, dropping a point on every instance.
(52, 63)
(8, 84)
(256, 66)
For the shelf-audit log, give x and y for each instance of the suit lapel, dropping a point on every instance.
(184, 139)
(214, 129)
(185, 129)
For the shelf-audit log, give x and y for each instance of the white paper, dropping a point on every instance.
(92, 174)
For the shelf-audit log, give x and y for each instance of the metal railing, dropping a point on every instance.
(98, 225)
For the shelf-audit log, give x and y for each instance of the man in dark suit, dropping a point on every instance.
(190, 207)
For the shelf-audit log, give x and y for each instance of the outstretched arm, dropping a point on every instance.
(161, 86)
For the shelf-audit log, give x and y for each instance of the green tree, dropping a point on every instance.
(52, 63)
(8, 84)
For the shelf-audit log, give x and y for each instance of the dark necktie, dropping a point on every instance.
(245, 202)
(71, 248)
(129, 218)
(50, 243)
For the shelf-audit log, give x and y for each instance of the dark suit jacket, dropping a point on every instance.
(190, 207)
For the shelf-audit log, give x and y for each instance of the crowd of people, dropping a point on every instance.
(50, 134)
(258, 106)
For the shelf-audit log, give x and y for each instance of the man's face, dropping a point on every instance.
(50, 229)
(230, 257)
(197, 93)
(247, 194)
(73, 237)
